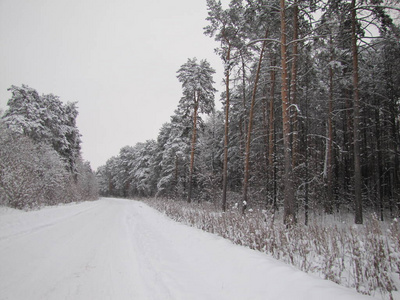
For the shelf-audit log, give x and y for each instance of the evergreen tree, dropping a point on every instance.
(40, 160)
(45, 119)
(198, 97)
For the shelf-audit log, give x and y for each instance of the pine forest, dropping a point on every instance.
(310, 116)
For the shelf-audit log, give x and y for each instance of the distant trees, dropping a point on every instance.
(166, 167)
(310, 112)
(40, 152)
(172, 156)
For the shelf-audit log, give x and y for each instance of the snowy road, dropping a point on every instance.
(121, 249)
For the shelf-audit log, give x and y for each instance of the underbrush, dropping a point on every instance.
(364, 257)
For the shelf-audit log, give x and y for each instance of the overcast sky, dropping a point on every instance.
(117, 58)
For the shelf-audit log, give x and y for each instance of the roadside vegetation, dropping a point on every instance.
(363, 257)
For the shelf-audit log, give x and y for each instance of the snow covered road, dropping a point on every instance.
(122, 249)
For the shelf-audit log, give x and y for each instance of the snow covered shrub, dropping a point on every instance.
(394, 246)
(19, 171)
(366, 258)
(34, 174)
(31, 174)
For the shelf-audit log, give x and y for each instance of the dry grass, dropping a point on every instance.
(364, 257)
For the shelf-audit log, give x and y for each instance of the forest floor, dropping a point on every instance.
(123, 249)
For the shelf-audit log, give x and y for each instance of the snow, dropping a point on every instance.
(123, 249)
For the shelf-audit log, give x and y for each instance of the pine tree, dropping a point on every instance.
(227, 26)
(198, 97)
(289, 206)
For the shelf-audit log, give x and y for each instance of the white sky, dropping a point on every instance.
(117, 58)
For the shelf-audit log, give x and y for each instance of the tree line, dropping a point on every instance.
(40, 159)
(310, 114)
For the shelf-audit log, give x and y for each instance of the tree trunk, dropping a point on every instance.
(225, 170)
(348, 144)
(329, 156)
(243, 124)
(288, 197)
(293, 91)
(306, 200)
(271, 131)
(395, 161)
(271, 120)
(175, 189)
(249, 129)
(306, 129)
(194, 134)
(378, 163)
(264, 169)
(356, 120)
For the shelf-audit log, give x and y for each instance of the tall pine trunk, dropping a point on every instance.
(293, 87)
(395, 161)
(329, 154)
(249, 129)
(356, 120)
(271, 131)
(378, 164)
(194, 135)
(306, 187)
(226, 134)
(288, 197)
(243, 124)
